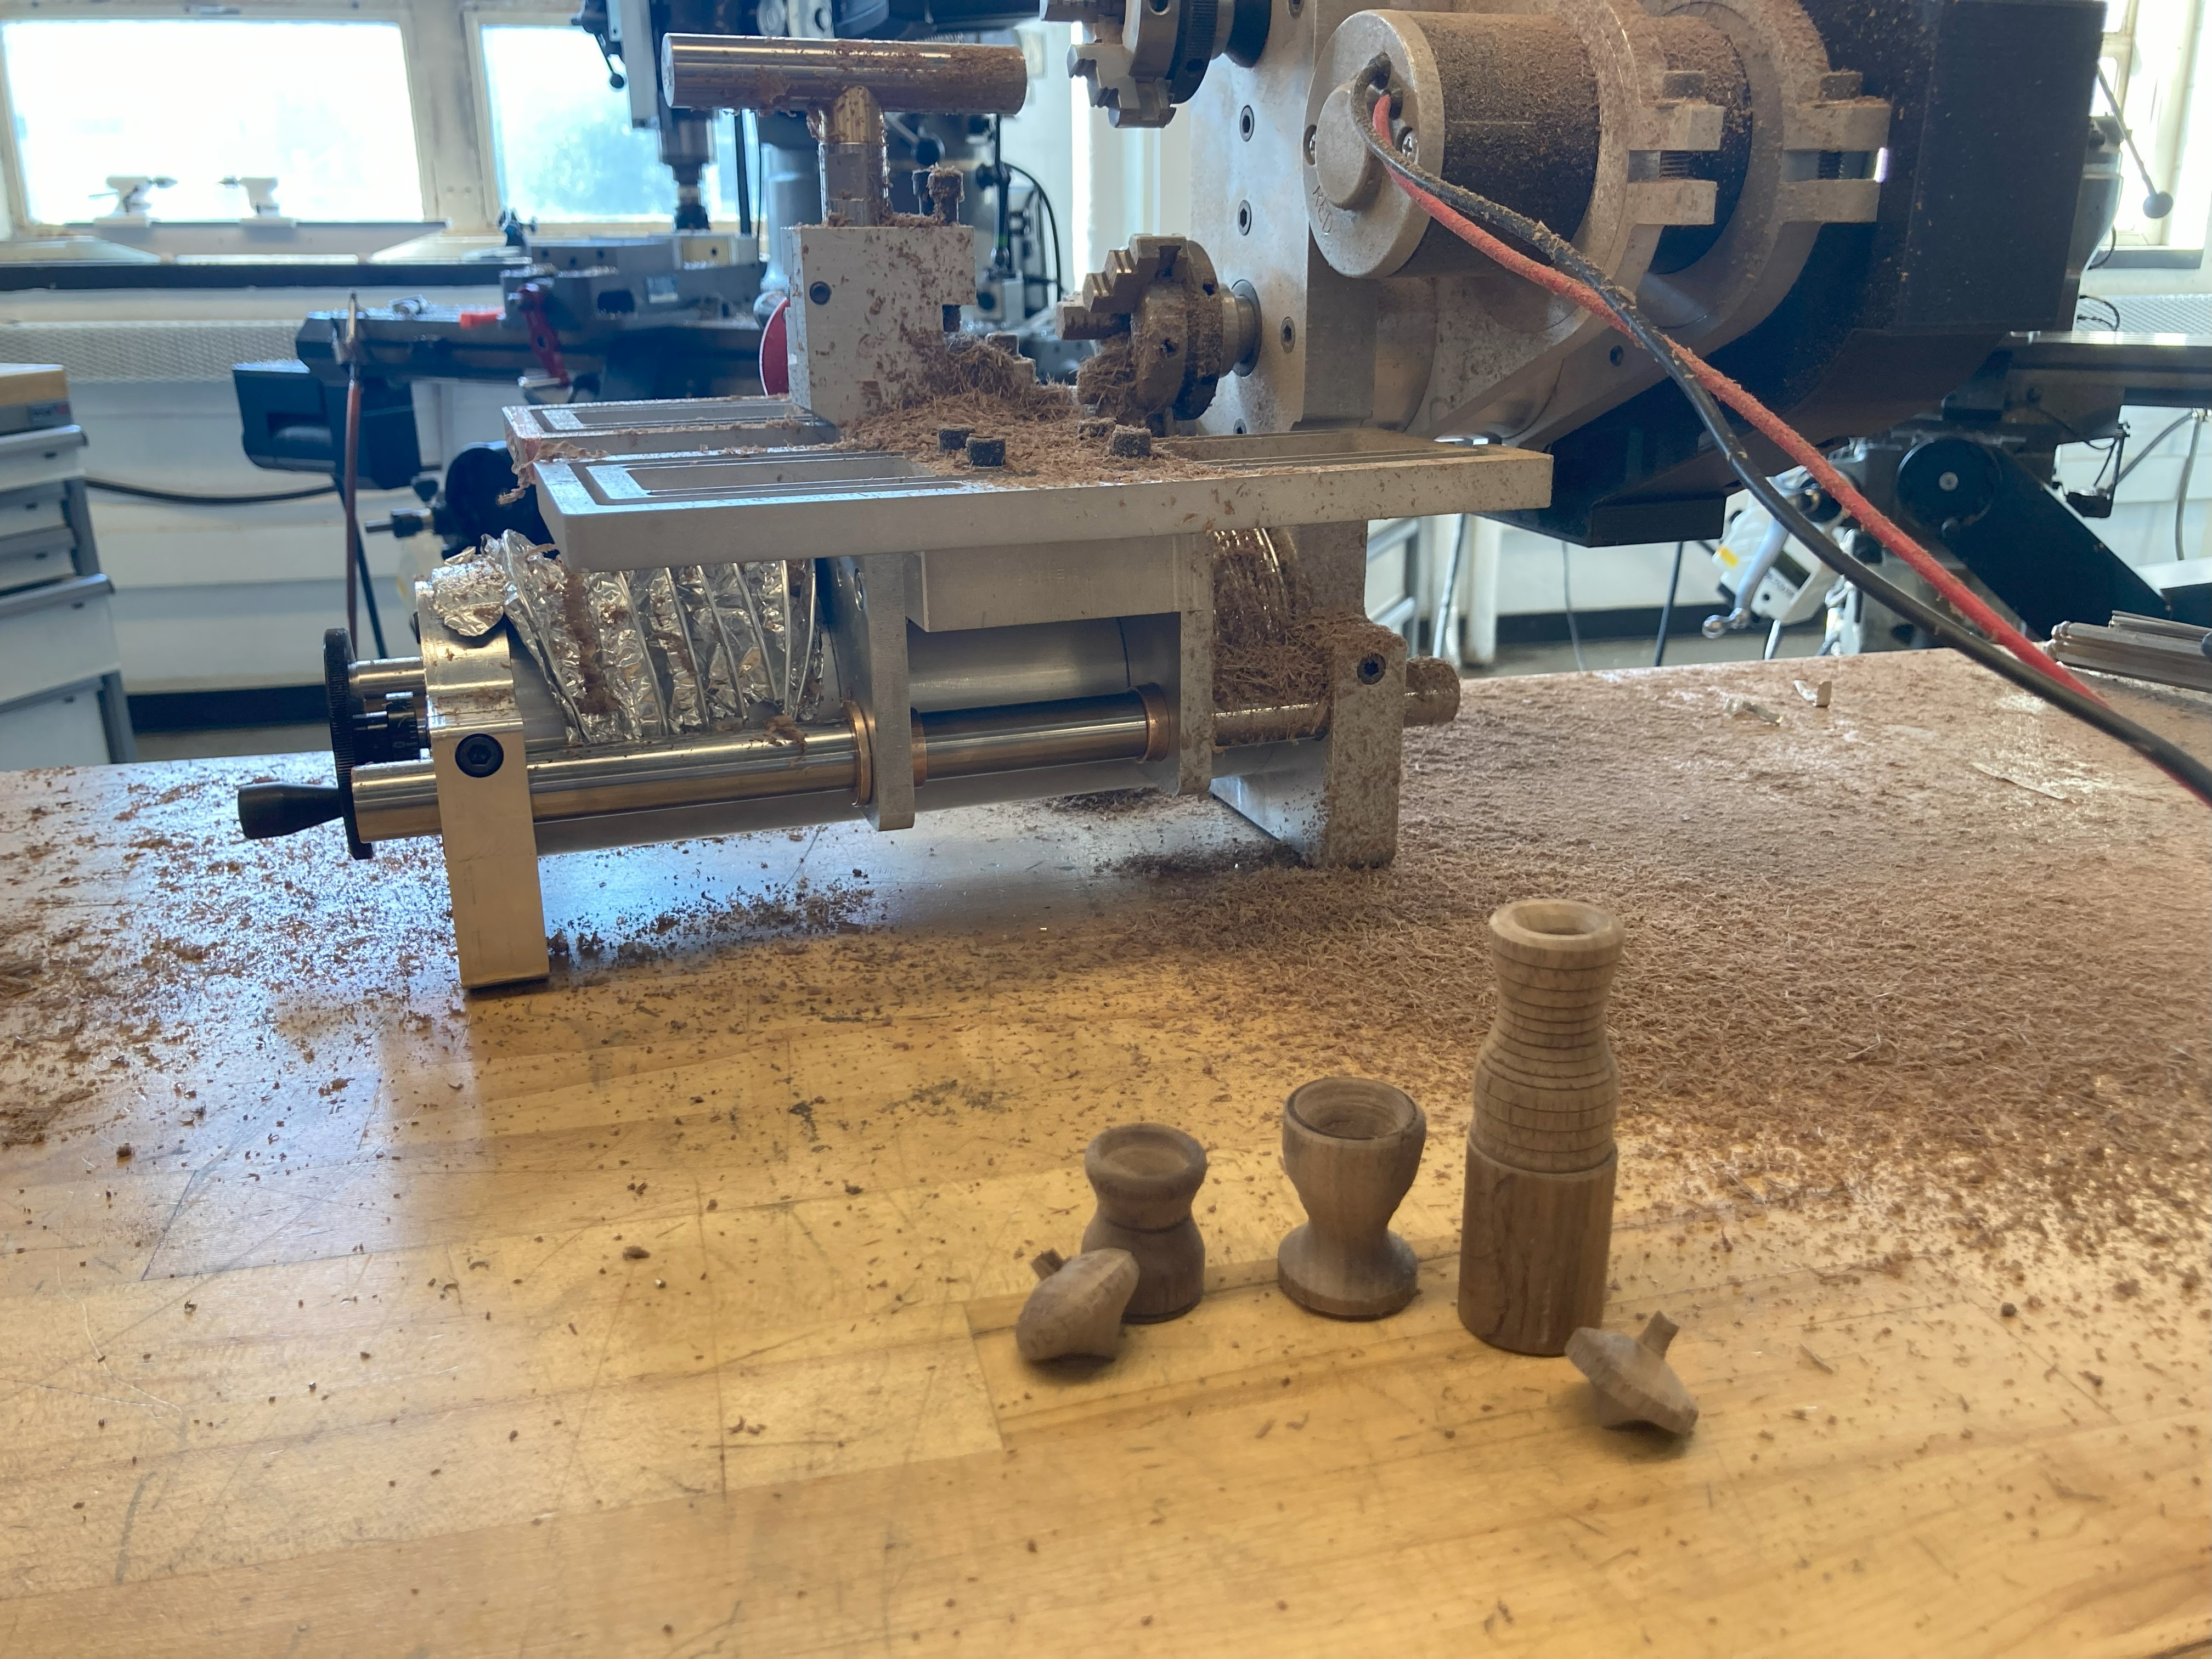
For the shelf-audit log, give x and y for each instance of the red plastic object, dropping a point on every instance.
(545, 342)
(481, 316)
(775, 353)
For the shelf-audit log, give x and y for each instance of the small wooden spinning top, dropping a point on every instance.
(1077, 1305)
(1633, 1381)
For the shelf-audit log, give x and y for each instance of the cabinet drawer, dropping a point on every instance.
(46, 556)
(56, 635)
(41, 456)
(63, 729)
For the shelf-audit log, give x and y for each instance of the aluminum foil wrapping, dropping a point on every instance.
(668, 643)
(637, 655)
(469, 595)
(715, 644)
(640, 709)
(547, 610)
(730, 595)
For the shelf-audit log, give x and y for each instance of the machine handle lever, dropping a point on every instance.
(266, 811)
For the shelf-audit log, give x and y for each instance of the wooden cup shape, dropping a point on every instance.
(1351, 1147)
(1145, 1176)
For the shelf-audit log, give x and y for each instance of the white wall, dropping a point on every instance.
(1128, 181)
(1604, 578)
(216, 596)
(1042, 138)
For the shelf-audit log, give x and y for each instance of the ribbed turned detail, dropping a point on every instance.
(1546, 1087)
(1537, 1224)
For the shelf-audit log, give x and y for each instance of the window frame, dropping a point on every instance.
(2163, 146)
(476, 17)
(447, 87)
(452, 164)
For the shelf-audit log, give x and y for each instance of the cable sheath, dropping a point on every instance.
(2031, 670)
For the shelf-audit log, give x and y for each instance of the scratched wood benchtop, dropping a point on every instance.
(355, 1352)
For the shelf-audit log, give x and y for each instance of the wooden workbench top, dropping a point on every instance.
(666, 1309)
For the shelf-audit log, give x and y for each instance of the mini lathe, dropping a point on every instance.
(770, 611)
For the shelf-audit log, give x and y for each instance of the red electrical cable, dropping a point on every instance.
(1764, 420)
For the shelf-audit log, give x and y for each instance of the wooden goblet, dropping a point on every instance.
(1351, 1147)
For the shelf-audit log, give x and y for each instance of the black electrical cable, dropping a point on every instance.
(1567, 602)
(1002, 242)
(2170, 758)
(2181, 490)
(1052, 219)
(741, 172)
(358, 579)
(185, 498)
(2144, 453)
(2097, 300)
(1667, 609)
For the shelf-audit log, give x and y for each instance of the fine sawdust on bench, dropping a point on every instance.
(1856, 961)
(1866, 967)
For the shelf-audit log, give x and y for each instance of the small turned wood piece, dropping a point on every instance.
(1633, 1381)
(1075, 1308)
(1094, 426)
(1145, 1176)
(1130, 442)
(1351, 1147)
(945, 187)
(952, 439)
(986, 452)
(1537, 1226)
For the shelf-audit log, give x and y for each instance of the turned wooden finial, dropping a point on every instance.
(1633, 1380)
(1077, 1305)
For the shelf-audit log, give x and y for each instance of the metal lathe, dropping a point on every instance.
(753, 614)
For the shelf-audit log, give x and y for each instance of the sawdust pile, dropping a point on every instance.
(961, 382)
(1270, 647)
(1865, 956)
(1106, 378)
(1260, 600)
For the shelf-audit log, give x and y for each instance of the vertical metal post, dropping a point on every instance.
(488, 836)
(853, 177)
(867, 623)
(1336, 804)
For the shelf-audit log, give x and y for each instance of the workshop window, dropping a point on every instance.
(321, 107)
(2156, 60)
(562, 139)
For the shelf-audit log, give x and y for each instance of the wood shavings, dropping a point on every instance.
(974, 385)
(1988, 771)
(1814, 1011)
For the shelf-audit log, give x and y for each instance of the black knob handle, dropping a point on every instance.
(266, 811)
